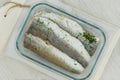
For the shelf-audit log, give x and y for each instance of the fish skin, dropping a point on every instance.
(52, 54)
(64, 22)
(60, 39)
(72, 27)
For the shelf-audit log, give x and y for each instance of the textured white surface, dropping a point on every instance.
(112, 69)
(11, 69)
(107, 10)
(7, 23)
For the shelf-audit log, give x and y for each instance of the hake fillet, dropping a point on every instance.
(72, 27)
(48, 30)
(52, 54)
(65, 23)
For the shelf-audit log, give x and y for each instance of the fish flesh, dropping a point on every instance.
(48, 30)
(73, 28)
(51, 53)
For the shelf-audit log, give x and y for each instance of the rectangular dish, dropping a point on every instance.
(95, 30)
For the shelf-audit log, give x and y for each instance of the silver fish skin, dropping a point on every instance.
(52, 54)
(46, 29)
(72, 27)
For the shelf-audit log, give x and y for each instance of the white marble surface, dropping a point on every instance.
(107, 10)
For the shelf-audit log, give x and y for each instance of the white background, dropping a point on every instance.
(107, 10)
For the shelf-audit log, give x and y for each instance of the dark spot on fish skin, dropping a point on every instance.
(75, 64)
(5, 15)
(49, 29)
(47, 42)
